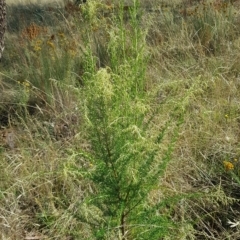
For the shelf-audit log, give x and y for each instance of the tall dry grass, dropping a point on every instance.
(95, 101)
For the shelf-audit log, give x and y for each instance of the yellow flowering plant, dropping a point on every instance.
(233, 168)
(228, 165)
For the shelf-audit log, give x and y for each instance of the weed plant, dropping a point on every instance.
(125, 144)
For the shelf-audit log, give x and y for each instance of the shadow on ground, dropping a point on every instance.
(22, 15)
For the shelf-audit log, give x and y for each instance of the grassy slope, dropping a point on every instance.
(11, 2)
(192, 65)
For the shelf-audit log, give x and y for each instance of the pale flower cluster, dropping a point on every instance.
(141, 107)
(91, 9)
(103, 84)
